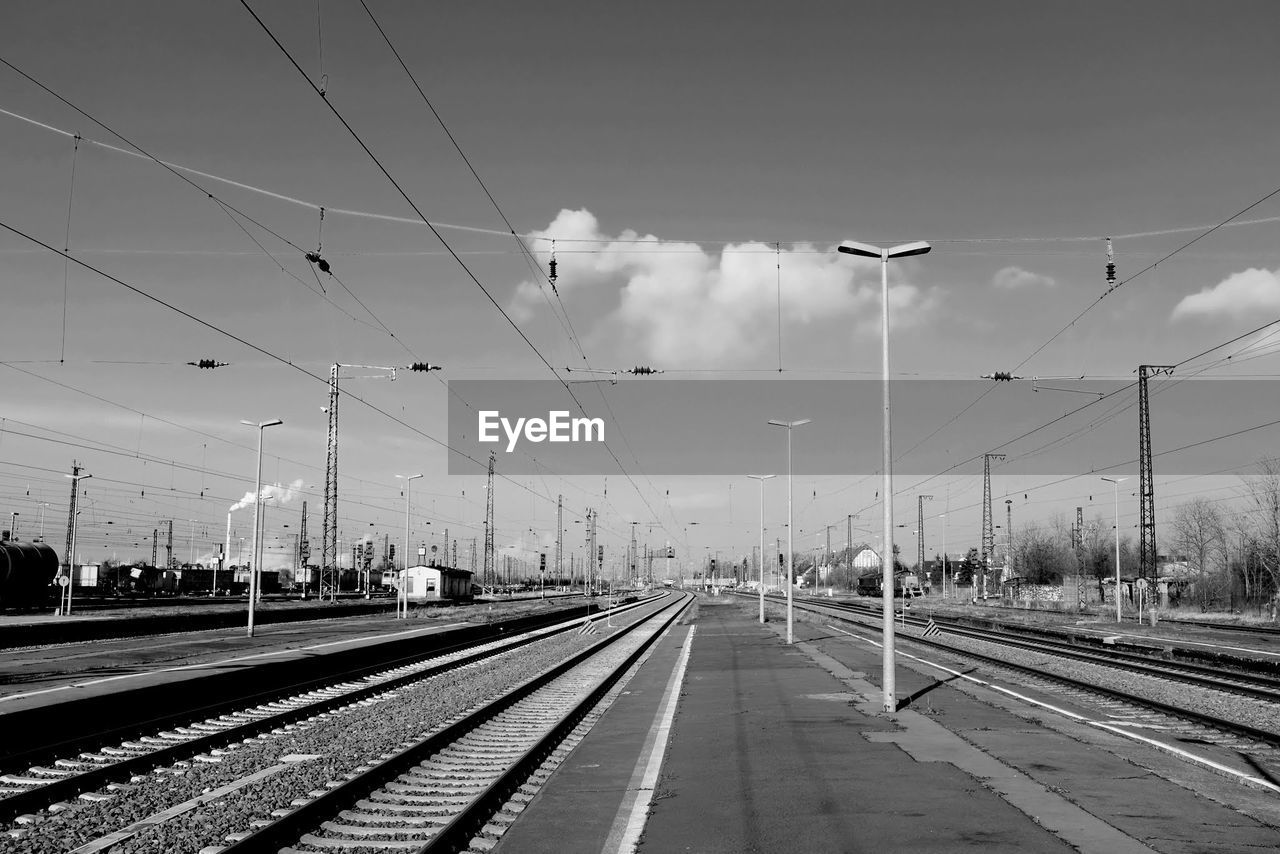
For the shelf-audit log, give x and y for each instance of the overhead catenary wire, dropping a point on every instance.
(529, 235)
(252, 346)
(440, 237)
(530, 258)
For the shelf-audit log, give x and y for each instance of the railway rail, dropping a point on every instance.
(1272, 631)
(1255, 685)
(113, 765)
(1261, 745)
(448, 789)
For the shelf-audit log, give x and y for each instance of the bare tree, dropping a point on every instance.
(1042, 555)
(1199, 533)
(1264, 489)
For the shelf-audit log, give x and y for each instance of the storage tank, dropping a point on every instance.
(26, 572)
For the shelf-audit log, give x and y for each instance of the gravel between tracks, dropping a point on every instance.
(1232, 707)
(344, 740)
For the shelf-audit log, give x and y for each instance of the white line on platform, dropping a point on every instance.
(223, 661)
(1118, 729)
(624, 835)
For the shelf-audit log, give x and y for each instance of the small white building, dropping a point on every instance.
(433, 583)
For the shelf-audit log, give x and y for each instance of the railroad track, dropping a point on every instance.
(106, 772)
(459, 787)
(1187, 724)
(1257, 686)
(1228, 627)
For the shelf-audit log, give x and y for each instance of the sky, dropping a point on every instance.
(695, 165)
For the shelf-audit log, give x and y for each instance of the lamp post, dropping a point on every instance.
(404, 579)
(762, 478)
(257, 496)
(790, 425)
(1115, 482)
(904, 250)
(75, 526)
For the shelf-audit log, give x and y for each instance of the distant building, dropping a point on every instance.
(866, 558)
(432, 583)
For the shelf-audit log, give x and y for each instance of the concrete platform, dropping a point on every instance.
(759, 747)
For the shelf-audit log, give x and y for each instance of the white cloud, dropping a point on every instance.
(680, 303)
(1237, 297)
(1012, 278)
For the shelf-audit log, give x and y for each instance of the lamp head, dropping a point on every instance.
(906, 250)
(862, 250)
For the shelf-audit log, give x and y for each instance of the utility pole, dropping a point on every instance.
(329, 529)
(591, 551)
(1146, 483)
(155, 544)
(1079, 544)
(168, 549)
(827, 559)
(632, 553)
(304, 549)
(848, 560)
(489, 568)
(1008, 549)
(988, 531)
(777, 548)
(559, 538)
(920, 500)
(64, 605)
(70, 560)
(330, 573)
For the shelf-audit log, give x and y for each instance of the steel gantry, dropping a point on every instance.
(488, 578)
(330, 574)
(988, 531)
(1146, 485)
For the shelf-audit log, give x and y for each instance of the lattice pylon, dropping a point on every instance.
(329, 533)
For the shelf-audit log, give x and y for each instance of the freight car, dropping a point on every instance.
(27, 571)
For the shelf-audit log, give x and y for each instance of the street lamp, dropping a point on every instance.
(790, 425)
(75, 526)
(904, 250)
(762, 478)
(1115, 482)
(404, 579)
(257, 504)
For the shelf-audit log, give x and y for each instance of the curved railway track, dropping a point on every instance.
(114, 765)
(460, 786)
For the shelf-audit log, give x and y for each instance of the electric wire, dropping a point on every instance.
(71, 196)
(405, 220)
(440, 237)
